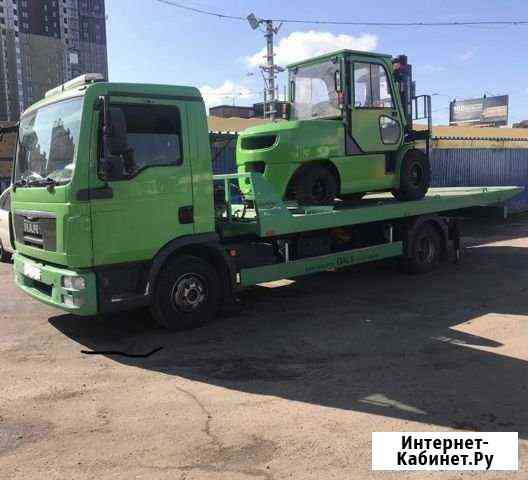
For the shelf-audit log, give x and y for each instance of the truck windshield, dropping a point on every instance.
(315, 95)
(47, 144)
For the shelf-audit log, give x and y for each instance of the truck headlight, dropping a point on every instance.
(74, 283)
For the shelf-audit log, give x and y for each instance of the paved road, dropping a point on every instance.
(288, 384)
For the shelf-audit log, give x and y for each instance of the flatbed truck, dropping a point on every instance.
(115, 207)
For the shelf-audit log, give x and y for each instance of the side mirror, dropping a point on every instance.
(112, 168)
(115, 132)
(117, 162)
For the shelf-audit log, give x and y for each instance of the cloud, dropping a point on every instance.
(225, 93)
(467, 55)
(302, 45)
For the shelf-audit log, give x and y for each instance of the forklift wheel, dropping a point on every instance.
(186, 294)
(316, 185)
(415, 176)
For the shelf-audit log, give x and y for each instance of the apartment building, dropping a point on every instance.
(44, 43)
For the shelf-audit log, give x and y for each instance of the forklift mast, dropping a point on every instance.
(403, 76)
(415, 107)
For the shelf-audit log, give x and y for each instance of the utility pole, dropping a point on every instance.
(270, 70)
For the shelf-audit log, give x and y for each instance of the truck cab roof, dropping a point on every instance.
(121, 89)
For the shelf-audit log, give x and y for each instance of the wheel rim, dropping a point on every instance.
(426, 252)
(319, 190)
(416, 174)
(189, 292)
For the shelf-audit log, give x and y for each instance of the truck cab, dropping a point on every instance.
(349, 132)
(89, 218)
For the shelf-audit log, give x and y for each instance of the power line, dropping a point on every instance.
(199, 10)
(409, 24)
(353, 23)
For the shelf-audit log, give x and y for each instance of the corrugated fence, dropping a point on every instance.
(471, 167)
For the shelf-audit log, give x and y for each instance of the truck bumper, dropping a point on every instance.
(45, 283)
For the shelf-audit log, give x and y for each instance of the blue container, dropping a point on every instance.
(223, 150)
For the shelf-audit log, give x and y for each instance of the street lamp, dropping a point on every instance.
(253, 21)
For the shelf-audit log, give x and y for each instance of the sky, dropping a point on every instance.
(151, 42)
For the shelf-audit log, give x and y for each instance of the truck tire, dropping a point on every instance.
(316, 185)
(425, 250)
(187, 293)
(415, 176)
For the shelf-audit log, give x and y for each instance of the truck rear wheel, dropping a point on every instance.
(425, 250)
(415, 176)
(186, 294)
(316, 185)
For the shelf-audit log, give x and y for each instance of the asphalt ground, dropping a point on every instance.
(288, 383)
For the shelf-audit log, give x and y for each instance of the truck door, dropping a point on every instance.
(376, 125)
(133, 217)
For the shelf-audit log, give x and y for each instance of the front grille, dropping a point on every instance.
(36, 229)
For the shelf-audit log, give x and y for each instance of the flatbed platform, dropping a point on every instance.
(270, 216)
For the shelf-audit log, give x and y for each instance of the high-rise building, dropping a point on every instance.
(44, 43)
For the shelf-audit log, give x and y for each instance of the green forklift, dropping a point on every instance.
(349, 132)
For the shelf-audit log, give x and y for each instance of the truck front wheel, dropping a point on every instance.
(415, 176)
(186, 294)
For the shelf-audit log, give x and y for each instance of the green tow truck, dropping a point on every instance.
(115, 207)
(350, 131)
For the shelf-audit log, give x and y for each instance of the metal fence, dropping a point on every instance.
(471, 167)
